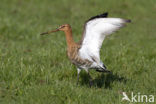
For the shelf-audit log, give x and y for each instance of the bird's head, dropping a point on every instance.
(64, 28)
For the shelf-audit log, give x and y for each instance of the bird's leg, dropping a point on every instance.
(90, 78)
(78, 72)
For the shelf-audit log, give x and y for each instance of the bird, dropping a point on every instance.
(85, 54)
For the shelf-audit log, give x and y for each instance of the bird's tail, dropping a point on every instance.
(103, 68)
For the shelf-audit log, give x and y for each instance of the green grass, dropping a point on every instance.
(34, 69)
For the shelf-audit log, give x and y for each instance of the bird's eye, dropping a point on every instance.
(62, 26)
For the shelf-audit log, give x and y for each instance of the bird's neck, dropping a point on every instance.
(69, 37)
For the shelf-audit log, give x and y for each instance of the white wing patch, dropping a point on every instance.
(95, 32)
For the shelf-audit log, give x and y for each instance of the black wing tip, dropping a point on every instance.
(104, 15)
(128, 21)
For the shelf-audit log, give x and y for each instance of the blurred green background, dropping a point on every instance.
(34, 69)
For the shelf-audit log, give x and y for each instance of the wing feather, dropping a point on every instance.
(95, 31)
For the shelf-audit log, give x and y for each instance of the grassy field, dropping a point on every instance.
(34, 69)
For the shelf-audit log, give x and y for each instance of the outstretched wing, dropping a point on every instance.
(96, 29)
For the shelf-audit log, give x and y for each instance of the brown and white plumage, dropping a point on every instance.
(86, 53)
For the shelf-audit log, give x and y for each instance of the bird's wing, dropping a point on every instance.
(96, 28)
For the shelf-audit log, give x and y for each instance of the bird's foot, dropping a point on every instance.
(77, 83)
(90, 83)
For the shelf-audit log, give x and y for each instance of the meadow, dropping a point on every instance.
(34, 69)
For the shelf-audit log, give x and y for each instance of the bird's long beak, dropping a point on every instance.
(50, 32)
